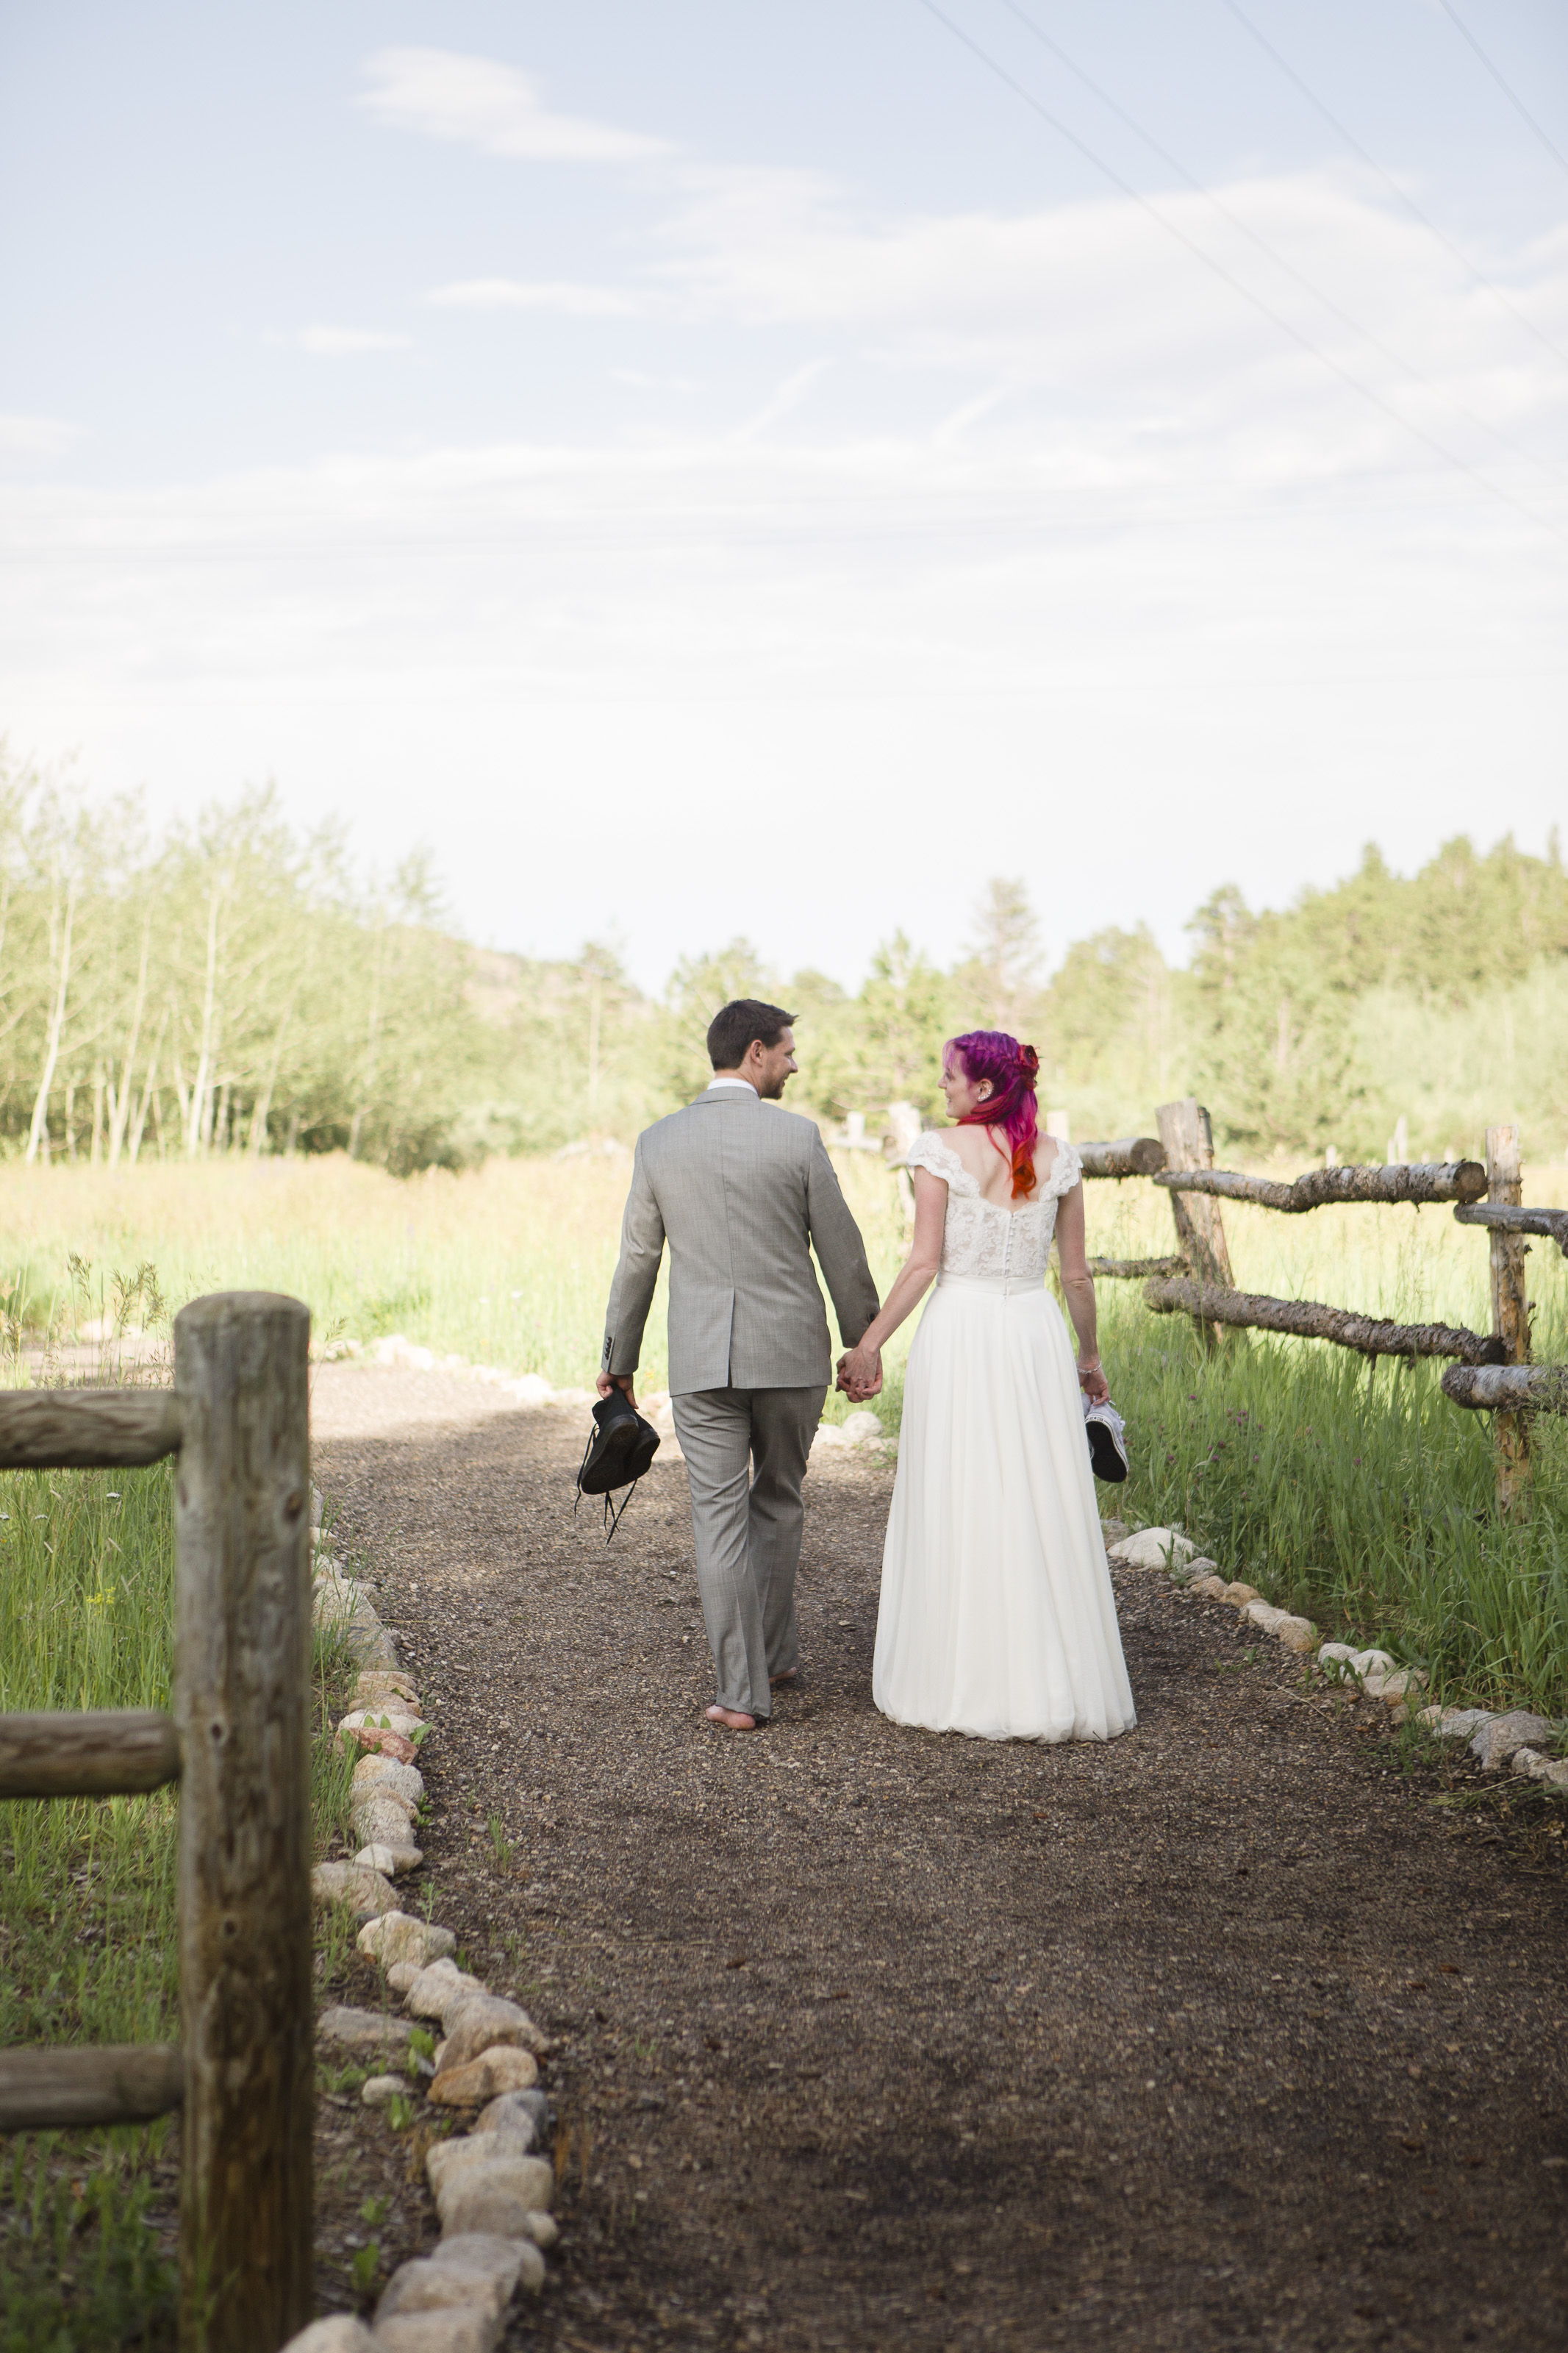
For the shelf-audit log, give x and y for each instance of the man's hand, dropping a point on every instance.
(859, 1373)
(608, 1381)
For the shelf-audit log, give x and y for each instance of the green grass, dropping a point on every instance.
(87, 1902)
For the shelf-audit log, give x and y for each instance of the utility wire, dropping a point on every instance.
(1411, 207)
(1512, 95)
(1395, 359)
(1275, 318)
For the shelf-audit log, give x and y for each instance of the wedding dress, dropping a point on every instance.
(997, 1616)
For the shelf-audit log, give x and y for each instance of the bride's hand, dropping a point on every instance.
(1092, 1382)
(860, 1373)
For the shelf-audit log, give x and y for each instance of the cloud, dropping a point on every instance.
(442, 94)
(37, 436)
(346, 342)
(517, 294)
(789, 395)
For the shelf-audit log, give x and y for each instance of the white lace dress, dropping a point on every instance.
(997, 1616)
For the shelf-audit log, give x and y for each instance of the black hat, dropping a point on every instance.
(621, 1446)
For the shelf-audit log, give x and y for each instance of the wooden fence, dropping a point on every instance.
(238, 1743)
(1492, 1370)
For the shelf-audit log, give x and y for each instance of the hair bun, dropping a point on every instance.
(1028, 1060)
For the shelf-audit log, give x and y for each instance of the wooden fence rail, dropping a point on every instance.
(1306, 1320)
(238, 1743)
(1424, 1181)
(1518, 1389)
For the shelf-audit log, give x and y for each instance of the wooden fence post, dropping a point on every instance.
(242, 1706)
(1510, 1311)
(1187, 1135)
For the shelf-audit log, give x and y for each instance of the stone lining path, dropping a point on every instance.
(1223, 2036)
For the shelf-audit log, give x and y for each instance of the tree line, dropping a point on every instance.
(236, 987)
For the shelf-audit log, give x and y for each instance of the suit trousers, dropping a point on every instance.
(745, 1453)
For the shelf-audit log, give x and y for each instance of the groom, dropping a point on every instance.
(742, 1195)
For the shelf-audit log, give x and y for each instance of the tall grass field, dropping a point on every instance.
(1362, 1498)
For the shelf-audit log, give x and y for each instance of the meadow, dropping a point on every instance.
(1363, 1498)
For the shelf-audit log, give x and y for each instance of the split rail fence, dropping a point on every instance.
(1491, 1371)
(238, 1745)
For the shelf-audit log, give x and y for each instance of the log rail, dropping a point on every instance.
(1425, 1181)
(1307, 1319)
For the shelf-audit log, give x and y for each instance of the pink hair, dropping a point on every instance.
(1012, 1069)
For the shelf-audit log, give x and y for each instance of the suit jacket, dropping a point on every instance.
(741, 1191)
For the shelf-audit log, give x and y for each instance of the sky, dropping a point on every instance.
(764, 470)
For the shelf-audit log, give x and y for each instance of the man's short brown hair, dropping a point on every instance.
(734, 1025)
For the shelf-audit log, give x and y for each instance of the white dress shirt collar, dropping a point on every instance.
(714, 1084)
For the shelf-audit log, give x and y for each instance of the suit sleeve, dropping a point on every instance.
(636, 1274)
(840, 1252)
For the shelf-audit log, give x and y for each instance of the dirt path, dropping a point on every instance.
(1222, 2035)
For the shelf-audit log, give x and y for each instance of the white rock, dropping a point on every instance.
(380, 2090)
(1211, 1587)
(383, 1773)
(437, 1987)
(1155, 1549)
(479, 2277)
(1263, 1614)
(482, 2021)
(498, 2197)
(456, 2331)
(383, 1821)
(386, 1717)
(1459, 1723)
(342, 2334)
(1495, 1743)
(1335, 1654)
(390, 1861)
(398, 1936)
(1527, 1763)
(862, 1429)
(1394, 1688)
(828, 1435)
(1370, 1662)
(544, 2229)
(362, 2030)
(1238, 1593)
(366, 1891)
(523, 2111)
(1553, 1773)
(378, 1684)
(450, 2158)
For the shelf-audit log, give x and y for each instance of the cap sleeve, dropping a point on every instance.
(929, 1152)
(1066, 1170)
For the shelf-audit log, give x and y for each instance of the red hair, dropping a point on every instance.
(1012, 1069)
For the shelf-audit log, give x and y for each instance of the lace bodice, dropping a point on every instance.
(980, 1238)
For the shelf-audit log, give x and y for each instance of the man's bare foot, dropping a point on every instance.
(790, 1675)
(731, 1718)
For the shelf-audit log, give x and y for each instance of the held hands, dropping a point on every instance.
(1092, 1381)
(859, 1373)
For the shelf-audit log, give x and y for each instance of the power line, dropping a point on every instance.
(1389, 182)
(1513, 96)
(1275, 318)
(1395, 359)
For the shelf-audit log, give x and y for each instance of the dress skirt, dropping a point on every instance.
(997, 1616)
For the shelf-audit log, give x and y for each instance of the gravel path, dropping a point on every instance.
(1223, 2036)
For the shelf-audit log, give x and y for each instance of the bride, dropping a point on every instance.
(996, 1616)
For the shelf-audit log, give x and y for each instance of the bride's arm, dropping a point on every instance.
(860, 1371)
(1079, 1285)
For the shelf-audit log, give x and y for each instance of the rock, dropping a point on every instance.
(862, 1429)
(449, 2157)
(1156, 1548)
(386, 1718)
(1370, 1662)
(384, 1743)
(377, 1684)
(1396, 1688)
(1526, 1763)
(498, 2197)
(367, 1891)
(380, 2090)
(342, 2334)
(481, 2021)
(1115, 1532)
(1553, 1773)
(1238, 1595)
(828, 1434)
(519, 2111)
(1335, 1654)
(1494, 1741)
(544, 2231)
(1263, 1614)
(1214, 1588)
(398, 1936)
(362, 2030)
(458, 2330)
(390, 1861)
(506, 2069)
(476, 2279)
(385, 1773)
(1459, 1723)
(437, 1987)
(383, 1821)
(1296, 1633)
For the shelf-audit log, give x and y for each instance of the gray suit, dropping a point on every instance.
(741, 1191)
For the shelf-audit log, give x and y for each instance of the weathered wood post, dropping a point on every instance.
(1187, 1135)
(242, 1706)
(1510, 1311)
